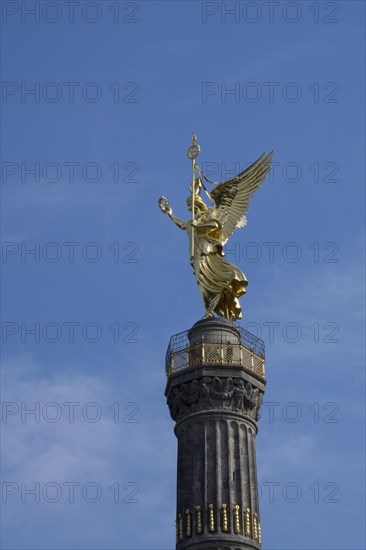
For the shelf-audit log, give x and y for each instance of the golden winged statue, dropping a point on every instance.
(221, 283)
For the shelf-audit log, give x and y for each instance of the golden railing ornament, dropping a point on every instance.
(210, 353)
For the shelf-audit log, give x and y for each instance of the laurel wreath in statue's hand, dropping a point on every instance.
(164, 205)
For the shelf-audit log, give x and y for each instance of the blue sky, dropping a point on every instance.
(110, 280)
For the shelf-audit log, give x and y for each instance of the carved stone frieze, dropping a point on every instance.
(216, 393)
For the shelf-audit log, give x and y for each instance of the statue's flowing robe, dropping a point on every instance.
(221, 283)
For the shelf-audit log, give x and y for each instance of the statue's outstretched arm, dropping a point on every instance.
(180, 223)
(165, 208)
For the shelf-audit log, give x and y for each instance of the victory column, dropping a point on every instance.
(215, 376)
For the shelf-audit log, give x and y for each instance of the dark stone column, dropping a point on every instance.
(214, 393)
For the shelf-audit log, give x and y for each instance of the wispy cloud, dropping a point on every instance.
(104, 452)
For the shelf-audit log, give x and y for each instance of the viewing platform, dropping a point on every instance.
(215, 342)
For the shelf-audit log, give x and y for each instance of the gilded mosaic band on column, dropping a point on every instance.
(243, 522)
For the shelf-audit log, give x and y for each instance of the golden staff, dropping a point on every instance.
(193, 153)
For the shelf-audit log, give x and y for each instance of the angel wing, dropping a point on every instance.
(232, 197)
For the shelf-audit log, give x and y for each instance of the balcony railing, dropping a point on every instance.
(182, 354)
